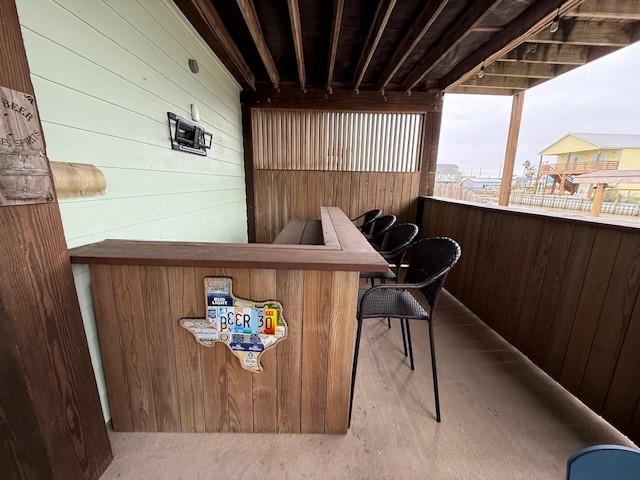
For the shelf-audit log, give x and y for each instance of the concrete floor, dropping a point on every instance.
(502, 419)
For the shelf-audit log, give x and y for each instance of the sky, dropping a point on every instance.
(600, 97)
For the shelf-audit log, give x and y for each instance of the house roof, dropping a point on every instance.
(609, 176)
(580, 142)
(610, 140)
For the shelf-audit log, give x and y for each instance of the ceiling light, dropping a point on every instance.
(555, 25)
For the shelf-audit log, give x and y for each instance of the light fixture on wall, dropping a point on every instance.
(481, 72)
(193, 65)
(188, 137)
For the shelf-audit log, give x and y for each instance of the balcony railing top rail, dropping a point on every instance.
(577, 167)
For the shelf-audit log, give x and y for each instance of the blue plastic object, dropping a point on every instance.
(605, 462)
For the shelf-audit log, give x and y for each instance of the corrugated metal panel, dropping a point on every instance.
(336, 141)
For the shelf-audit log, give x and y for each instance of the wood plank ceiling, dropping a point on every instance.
(410, 45)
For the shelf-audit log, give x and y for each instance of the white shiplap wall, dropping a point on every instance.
(105, 73)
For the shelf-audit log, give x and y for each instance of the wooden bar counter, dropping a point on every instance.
(160, 379)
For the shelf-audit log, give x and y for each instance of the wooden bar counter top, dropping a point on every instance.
(161, 379)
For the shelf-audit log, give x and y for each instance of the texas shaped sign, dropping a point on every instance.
(246, 327)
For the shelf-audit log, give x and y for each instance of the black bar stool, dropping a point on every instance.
(393, 249)
(431, 261)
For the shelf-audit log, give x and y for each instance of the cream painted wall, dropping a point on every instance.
(591, 156)
(630, 159)
(105, 73)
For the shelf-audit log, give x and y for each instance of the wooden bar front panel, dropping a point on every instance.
(160, 379)
(565, 292)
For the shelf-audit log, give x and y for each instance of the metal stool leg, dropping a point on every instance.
(406, 323)
(355, 367)
(404, 337)
(434, 371)
(389, 322)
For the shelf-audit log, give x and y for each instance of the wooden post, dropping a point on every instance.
(597, 200)
(562, 183)
(430, 139)
(247, 141)
(51, 422)
(512, 146)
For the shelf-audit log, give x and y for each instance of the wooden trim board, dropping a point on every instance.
(345, 249)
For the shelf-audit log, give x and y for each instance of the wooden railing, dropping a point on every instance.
(576, 168)
(563, 291)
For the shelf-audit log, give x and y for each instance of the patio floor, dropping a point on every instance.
(502, 418)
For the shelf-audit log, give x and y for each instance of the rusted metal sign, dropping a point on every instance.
(24, 170)
(248, 328)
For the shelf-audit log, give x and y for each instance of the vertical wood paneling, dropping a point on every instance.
(239, 380)
(213, 363)
(315, 340)
(550, 292)
(535, 277)
(603, 255)
(289, 353)
(265, 408)
(135, 349)
(163, 380)
(341, 326)
(569, 294)
(110, 341)
(159, 334)
(283, 194)
(617, 311)
(565, 293)
(183, 303)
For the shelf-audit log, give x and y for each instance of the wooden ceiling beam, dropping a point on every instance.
(248, 11)
(296, 31)
(539, 14)
(342, 99)
(208, 23)
(336, 23)
(607, 9)
(380, 20)
(470, 19)
(555, 54)
(480, 91)
(509, 83)
(419, 27)
(596, 34)
(519, 69)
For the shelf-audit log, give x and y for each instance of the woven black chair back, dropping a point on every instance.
(365, 221)
(396, 241)
(380, 227)
(432, 257)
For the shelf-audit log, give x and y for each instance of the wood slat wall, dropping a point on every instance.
(565, 292)
(283, 194)
(160, 379)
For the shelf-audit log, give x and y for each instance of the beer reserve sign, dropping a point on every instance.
(24, 170)
(246, 327)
